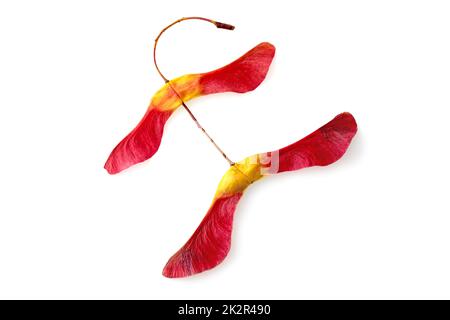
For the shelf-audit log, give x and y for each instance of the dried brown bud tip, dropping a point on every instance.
(221, 25)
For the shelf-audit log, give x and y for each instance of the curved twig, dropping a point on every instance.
(218, 25)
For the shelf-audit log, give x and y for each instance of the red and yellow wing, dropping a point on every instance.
(242, 75)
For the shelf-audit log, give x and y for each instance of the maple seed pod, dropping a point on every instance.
(242, 75)
(211, 242)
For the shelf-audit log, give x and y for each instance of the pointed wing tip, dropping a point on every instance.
(181, 265)
(187, 263)
(168, 273)
(173, 270)
(110, 168)
(114, 165)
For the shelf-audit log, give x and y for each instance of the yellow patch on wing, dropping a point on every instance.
(239, 177)
(187, 86)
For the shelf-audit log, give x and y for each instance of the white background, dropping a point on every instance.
(77, 76)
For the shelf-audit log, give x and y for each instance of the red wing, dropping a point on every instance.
(140, 144)
(322, 147)
(209, 244)
(243, 75)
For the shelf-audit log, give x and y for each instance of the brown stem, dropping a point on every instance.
(218, 25)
